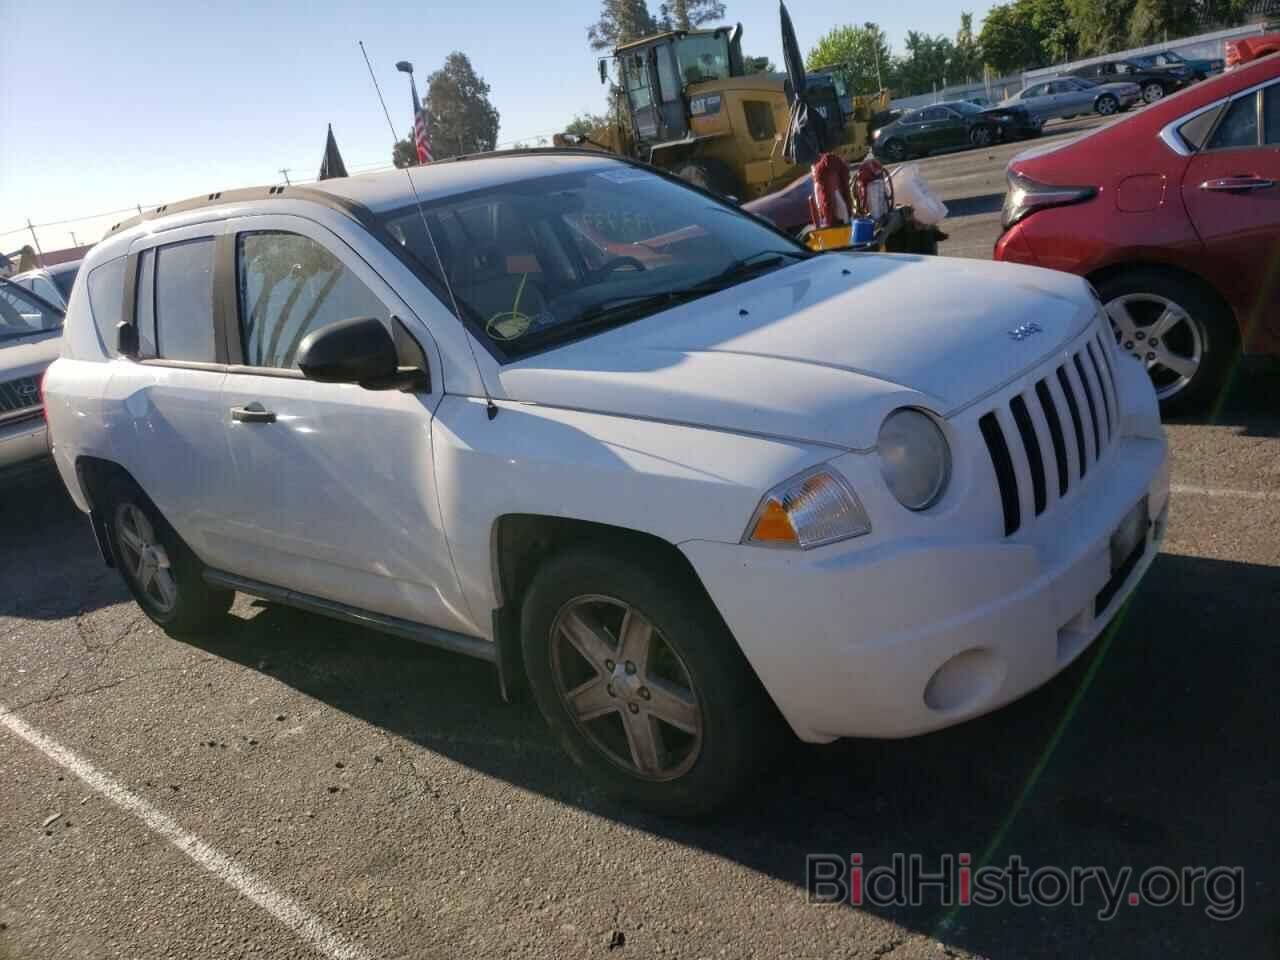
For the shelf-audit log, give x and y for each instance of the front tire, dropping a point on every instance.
(1186, 338)
(1153, 91)
(1107, 105)
(164, 576)
(642, 683)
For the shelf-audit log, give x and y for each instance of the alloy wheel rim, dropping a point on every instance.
(1152, 92)
(626, 688)
(981, 137)
(1163, 335)
(1106, 106)
(145, 558)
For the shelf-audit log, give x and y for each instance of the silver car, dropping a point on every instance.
(1073, 96)
(30, 332)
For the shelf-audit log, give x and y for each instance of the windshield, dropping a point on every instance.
(539, 262)
(22, 314)
(703, 58)
(964, 106)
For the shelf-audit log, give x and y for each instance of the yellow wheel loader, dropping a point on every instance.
(686, 104)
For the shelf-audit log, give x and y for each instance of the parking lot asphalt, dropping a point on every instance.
(290, 786)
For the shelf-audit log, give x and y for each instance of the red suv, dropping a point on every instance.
(1174, 215)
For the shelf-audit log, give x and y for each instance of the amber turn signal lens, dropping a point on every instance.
(773, 526)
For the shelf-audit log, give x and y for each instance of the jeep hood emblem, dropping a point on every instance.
(1022, 331)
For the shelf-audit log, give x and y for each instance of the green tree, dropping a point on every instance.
(759, 65)
(404, 153)
(687, 14)
(1101, 25)
(1157, 21)
(584, 123)
(1059, 38)
(1025, 34)
(862, 53)
(460, 117)
(621, 21)
(927, 63)
(966, 60)
(1006, 39)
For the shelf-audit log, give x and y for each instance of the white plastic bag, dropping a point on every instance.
(910, 188)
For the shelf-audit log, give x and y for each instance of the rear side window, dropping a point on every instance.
(1194, 131)
(290, 285)
(184, 301)
(106, 301)
(1239, 128)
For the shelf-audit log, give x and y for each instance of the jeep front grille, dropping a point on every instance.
(1045, 439)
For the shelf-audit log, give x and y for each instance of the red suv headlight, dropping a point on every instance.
(1026, 195)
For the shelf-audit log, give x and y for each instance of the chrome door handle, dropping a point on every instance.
(253, 413)
(1232, 184)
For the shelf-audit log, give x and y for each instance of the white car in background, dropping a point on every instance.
(29, 332)
(691, 483)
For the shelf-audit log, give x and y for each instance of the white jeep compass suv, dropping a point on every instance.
(691, 483)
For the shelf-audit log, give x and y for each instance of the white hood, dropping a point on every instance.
(819, 350)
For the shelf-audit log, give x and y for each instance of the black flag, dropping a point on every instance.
(332, 165)
(806, 132)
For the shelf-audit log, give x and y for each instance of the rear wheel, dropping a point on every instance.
(164, 576)
(1152, 91)
(1186, 338)
(895, 151)
(642, 683)
(709, 174)
(1107, 105)
(981, 137)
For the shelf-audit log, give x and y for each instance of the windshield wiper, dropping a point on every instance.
(736, 272)
(616, 310)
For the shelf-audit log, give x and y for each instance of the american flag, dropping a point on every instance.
(421, 138)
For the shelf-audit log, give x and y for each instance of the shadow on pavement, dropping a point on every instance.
(1251, 401)
(1166, 751)
(49, 564)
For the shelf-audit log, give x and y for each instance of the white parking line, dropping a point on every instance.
(1224, 492)
(284, 908)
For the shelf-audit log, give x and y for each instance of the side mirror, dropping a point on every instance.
(356, 350)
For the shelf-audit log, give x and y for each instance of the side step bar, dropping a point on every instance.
(476, 647)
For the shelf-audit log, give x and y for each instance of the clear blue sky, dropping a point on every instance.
(103, 105)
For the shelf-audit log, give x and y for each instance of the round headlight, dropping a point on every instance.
(914, 458)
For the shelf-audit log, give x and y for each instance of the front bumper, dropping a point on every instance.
(920, 636)
(937, 617)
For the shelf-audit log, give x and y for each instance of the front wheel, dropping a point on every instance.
(642, 683)
(1152, 92)
(164, 576)
(1186, 338)
(1107, 105)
